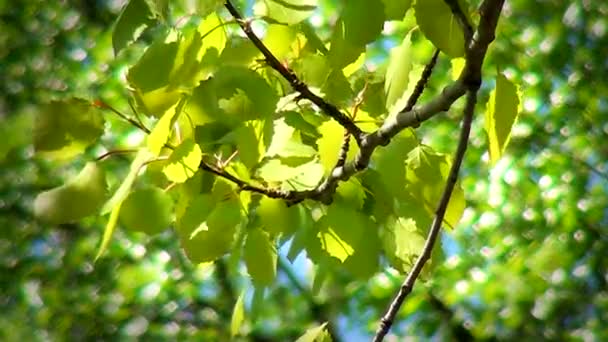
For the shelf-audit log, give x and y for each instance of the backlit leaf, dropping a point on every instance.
(285, 11)
(436, 21)
(427, 173)
(161, 132)
(397, 73)
(123, 190)
(260, 257)
(395, 9)
(133, 20)
(350, 37)
(80, 197)
(501, 113)
(389, 161)
(316, 334)
(183, 162)
(238, 315)
(66, 128)
(147, 210)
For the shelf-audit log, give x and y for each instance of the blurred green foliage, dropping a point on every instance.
(527, 261)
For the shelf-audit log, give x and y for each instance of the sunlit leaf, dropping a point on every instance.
(183, 162)
(330, 144)
(238, 315)
(341, 230)
(316, 334)
(161, 132)
(501, 113)
(285, 11)
(397, 74)
(285, 142)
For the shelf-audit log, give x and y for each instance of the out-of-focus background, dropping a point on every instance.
(528, 259)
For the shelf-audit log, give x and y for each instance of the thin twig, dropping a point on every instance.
(422, 82)
(467, 29)
(406, 288)
(291, 77)
(114, 152)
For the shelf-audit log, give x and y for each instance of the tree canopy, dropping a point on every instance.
(275, 170)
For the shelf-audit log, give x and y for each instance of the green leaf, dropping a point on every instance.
(351, 192)
(275, 216)
(316, 334)
(147, 210)
(244, 94)
(330, 144)
(436, 21)
(286, 142)
(397, 74)
(108, 230)
(285, 11)
(183, 162)
(427, 173)
(80, 197)
(133, 20)
(238, 315)
(278, 40)
(301, 177)
(395, 9)
(389, 161)
(501, 113)
(123, 190)
(260, 257)
(208, 237)
(350, 37)
(249, 147)
(161, 132)
(403, 241)
(65, 128)
(341, 230)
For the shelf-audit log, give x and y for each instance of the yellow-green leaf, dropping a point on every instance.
(501, 113)
(147, 210)
(238, 315)
(183, 162)
(80, 197)
(397, 74)
(260, 257)
(316, 334)
(162, 130)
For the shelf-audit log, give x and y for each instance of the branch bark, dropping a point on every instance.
(291, 77)
(407, 286)
(469, 81)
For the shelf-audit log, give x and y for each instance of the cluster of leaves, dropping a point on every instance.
(240, 148)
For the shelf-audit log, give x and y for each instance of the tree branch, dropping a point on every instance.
(406, 288)
(291, 77)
